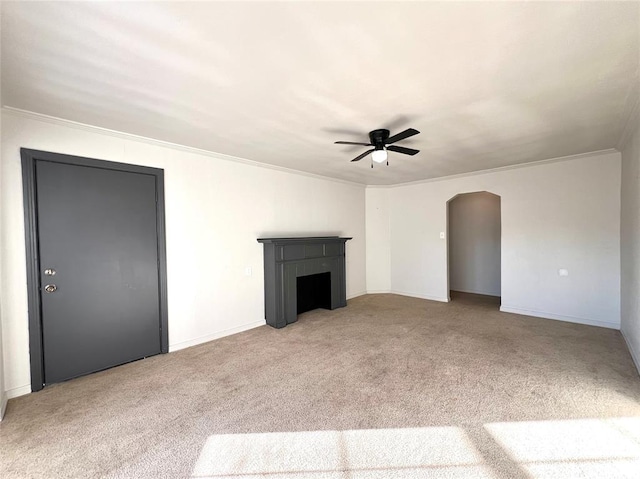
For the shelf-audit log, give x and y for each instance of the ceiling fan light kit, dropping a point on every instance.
(379, 156)
(382, 143)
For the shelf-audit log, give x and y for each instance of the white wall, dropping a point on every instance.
(474, 243)
(555, 214)
(378, 240)
(215, 210)
(3, 395)
(630, 239)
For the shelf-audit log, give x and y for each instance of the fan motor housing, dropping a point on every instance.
(378, 138)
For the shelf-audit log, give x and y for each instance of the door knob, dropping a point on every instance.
(50, 288)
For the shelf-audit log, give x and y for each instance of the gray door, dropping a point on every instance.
(97, 232)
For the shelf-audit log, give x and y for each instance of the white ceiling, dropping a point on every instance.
(487, 84)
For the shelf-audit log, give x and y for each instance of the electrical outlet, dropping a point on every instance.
(248, 271)
(563, 272)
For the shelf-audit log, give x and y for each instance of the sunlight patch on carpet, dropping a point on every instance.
(366, 454)
(585, 448)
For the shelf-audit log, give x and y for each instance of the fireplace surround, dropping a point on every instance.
(302, 274)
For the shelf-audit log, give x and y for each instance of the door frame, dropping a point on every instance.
(448, 237)
(29, 158)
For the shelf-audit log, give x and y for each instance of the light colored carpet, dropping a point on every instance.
(389, 387)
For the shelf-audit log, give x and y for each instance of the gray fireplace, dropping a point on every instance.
(301, 274)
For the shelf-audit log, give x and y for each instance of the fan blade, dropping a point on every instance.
(402, 149)
(358, 158)
(402, 135)
(351, 143)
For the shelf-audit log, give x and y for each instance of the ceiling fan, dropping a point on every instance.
(382, 142)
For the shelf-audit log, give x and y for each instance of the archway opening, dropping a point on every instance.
(474, 248)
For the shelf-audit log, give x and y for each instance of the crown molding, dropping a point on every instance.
(529, 164)
(221, 156)
(166, 144)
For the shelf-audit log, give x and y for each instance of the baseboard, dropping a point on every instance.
(22, 390)
(559, 317)
(442, 299)
(411, 295)
(19, 391)
(355, 295)
(483, 293)
(217, 335)
(634, 354)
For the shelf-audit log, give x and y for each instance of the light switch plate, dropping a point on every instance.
(442, 235)
(563, 272)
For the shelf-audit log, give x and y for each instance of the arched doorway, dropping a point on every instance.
(474, 249)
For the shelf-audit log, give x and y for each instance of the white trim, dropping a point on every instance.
(481, 293)
(421, 296)
(635, 356)
(221, 156)
(22, 390)
(355, 295)
(19, 391)
(529, 164)
(410, 295)
(167, 144)
(217, 335)
(560, 317)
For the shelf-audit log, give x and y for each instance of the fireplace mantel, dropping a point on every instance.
(286, 259)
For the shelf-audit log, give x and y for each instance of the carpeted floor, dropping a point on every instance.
(389, 387)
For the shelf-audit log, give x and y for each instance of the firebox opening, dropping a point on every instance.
(313, 291)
